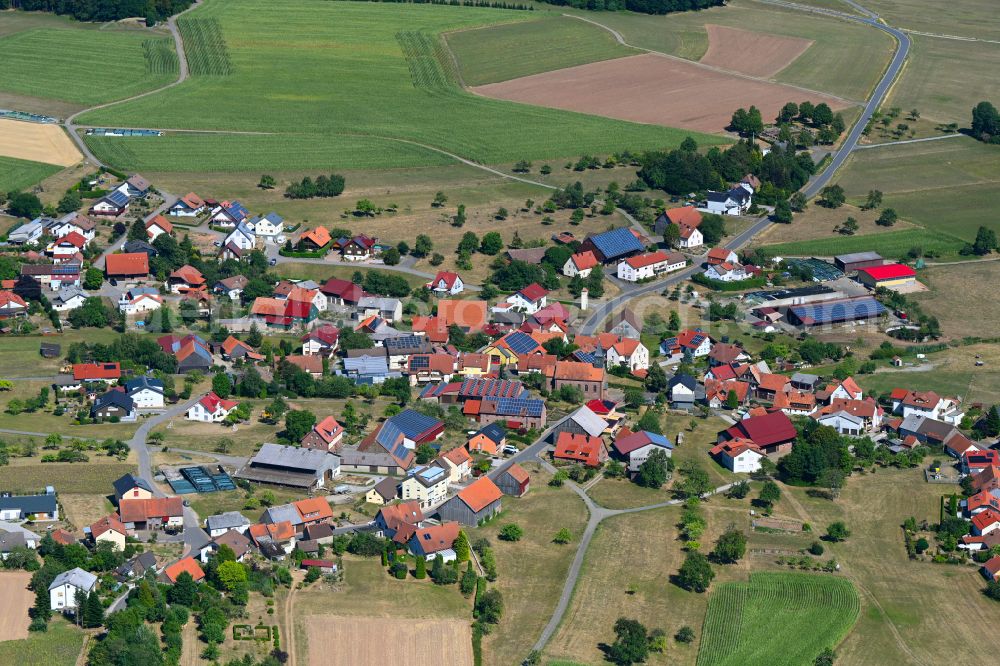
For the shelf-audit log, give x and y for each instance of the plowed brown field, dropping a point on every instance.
(753, 53)
(652, 89)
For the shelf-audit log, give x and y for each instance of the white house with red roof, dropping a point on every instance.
(189, 205)
(580, 264)
(738, 455)
(719, 255)
(689, 342)
(628, 352)
(211, 408)
(530, 299)
(326, 435)
(636, 447)
(985, 522)
(649, 265)
(66, 247)
(321, 341)
(184, 279)
(727, 272)
(11, 305)
(158, 226)
(928, 404)
(446, 282)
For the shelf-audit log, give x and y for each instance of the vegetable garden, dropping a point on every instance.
(777, 619)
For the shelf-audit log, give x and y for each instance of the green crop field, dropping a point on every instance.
(504, 52)
(846, 59)
(332, 81)
(967, 18)
(81, 65)
(18, 174)
(776, 619)
(890, 244)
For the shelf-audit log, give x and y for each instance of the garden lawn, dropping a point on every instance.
(504, 52)
(777, 618)
(531, 571)
(16, 175)
(82, 477)
(75, 63)
(59, 646)
(342, 78)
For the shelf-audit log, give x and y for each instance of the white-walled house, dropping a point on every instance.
(734, 202)
(70, 588)
(211, 409)
(140, 299)
(738, 455)
(446, 282)
(628, 352)
(268, 227)
(645, 266)
(636, 447)
(581, 263)
(529, 300)
(726, 272)
(146, 392)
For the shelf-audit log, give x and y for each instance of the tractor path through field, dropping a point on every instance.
(289, 628)
(897, 143)
(81, 659)
(597, 514)
(728, 72)
(182, 76)
(892, 627)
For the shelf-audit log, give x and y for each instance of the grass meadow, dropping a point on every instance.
(777, 618)
(59, 646)
(890, 244)
(846, 59)
(504, 52)
(967, 18)
(18, 174)
(299, 69)
(76, 63)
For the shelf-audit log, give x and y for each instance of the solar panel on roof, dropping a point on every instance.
(521, 343)
(420, 362)
(616, 242)
(412, 423)
(518, 406)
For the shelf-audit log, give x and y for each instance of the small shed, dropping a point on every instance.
(325, 566)
(513, 480)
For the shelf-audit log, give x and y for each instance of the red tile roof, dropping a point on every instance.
(888, 272)
(189, 274)
(145, 510)
(74, 239)
(211, 401)
(85, 371)
(578, 372)
(447, 277)
(8, 298)
(534, 292)
(518, 473)
(685, 215)
(643, 260)
(582, 448)
(108, 523)
(189, 565)
(984, 519)
(435, 538)
(584, 260)
(129, 263)
(313, 509)
(318, 236)
(160, 222)
(480, 494)
(765, 430)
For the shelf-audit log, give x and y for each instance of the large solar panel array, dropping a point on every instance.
(837, 311)
(821, 271)
(490, 388)
(404, 341)
(616, 243)
(520, 343)
(520, 407)
(412, 423)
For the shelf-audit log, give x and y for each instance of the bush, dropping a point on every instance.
(816, 548)
(511, 532)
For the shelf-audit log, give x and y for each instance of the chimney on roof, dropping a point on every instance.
(584, 297)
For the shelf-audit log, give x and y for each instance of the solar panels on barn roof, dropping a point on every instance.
(412, 423)
(520, 406)
(521, 343)
(616, 243)
(491, 388)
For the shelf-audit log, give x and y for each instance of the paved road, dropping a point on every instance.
(607, 308)
(194, 536)
(814, 186)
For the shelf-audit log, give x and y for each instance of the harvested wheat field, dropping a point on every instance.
(753, 53)
(37, 142)
(350, 641)
(654, 90)
(17, 599)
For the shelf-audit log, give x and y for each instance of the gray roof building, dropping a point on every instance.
(230, 520)
(291, 466)
(78, 578)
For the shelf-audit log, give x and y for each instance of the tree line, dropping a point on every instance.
(102, 10)
(641, 6)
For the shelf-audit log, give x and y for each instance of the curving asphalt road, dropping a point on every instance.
(813, 187)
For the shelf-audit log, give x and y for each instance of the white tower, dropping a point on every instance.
(584, 293)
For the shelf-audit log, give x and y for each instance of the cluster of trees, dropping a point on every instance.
(323, 186)
(819, 455)
(986, 123)
(640, 6)
(684, 170)
(633, 642)
(747, 122)
(519, 274)
(829, 125)
(106, 10)
(985, 243)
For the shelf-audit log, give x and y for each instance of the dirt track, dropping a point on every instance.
(351, 641)
(651, 89)
(753, 53)
(17, 599)
(38, 143)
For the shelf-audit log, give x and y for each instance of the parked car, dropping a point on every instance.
(273, 262)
